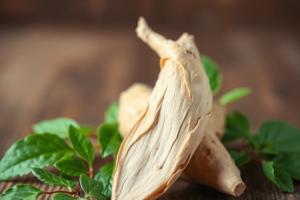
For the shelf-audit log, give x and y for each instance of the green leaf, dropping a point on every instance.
(36, 150)
(239, 158)
(70, 182)
(49, 178)
(58, 126)
(269, 171)
(213, 73)
(87, 130)
(111, 114)
(290, 162)
(72, 166)
(109, 139)
(238, 126)
(233, 132)
(280, 136)
(278, 176)
(91, 187)
(62, 196)
(81, 145)
(267, 148)
(21, 192)
(283, 179)
(234, 95)
(239, 119)
(105, 176)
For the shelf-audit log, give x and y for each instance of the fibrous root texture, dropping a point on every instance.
(164, 139)
(211, 165)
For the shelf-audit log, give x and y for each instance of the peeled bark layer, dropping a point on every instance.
(211, 164)
(162, 142)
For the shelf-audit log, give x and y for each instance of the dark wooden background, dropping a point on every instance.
(73, 58)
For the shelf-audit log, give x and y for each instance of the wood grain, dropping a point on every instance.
(49, 71)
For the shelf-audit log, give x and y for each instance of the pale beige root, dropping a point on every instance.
(160, 145)
(211, 164)
(217, 121)
(133, 103)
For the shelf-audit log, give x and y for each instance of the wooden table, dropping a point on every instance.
(49, 71)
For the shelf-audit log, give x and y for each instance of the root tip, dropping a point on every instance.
(239, 189)
(142, 26)
(141, 20)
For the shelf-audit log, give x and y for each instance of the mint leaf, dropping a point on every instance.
(279, 136)
(290, 162)
(81, 145)
(109, 139)
(213, 73)
(234, 95)
(71, 184)
(58, 126)
(267, 148)
(21, 192)
(237, 125)
(284, 181)
(239, 119)
(91, 187)
(233, 132)
(62, 196)
(111, 114)
(239, 158)
(71, 166)
(49, 178)
(87, 130)
(269, 171)
(105, 176)
(278, 176)
(36, 150)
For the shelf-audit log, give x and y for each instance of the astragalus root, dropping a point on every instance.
(133, 104)
(162, 142)
(211, 164)
(217, 120)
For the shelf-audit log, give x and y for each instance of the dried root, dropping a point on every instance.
(211, 165)
(165, 137)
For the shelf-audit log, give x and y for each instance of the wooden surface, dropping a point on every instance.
(49, 71)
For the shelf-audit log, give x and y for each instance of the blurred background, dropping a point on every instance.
(72, 58)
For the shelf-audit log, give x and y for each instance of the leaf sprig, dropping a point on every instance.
(47, 147)
(275, 146)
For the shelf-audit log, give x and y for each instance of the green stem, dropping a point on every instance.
(60, 191)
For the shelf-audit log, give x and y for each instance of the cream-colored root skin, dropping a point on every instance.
(165, 137)
(133, 104)
(217, 122)
(211, 165)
